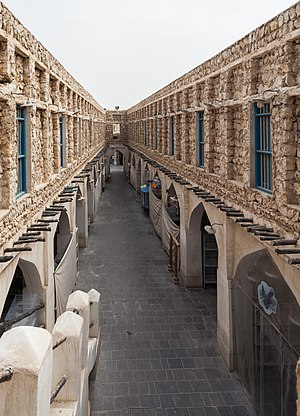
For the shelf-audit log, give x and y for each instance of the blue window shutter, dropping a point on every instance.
(172, 135)
(200, 138)
(61, 141)
(263, 147)
(21, 132)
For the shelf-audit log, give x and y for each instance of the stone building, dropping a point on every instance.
(223, 142)
(52, 173)
(218, 149)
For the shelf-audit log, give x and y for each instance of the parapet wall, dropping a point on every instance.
(47, 374)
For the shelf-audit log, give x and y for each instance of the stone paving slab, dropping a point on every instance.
(159, 353)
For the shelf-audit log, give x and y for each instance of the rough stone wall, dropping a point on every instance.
(31, 77)
(116, 117)
(263, 64)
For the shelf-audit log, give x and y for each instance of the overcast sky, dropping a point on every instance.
(122, 51)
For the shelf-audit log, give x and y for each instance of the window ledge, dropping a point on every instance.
(262, 193)
(40, 186)
(3, 213)
(53, 177)
(294, 206)
(237, 183)
(20, 198)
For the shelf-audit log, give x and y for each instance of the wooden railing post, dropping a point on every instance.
(170, 265)
(175, 278)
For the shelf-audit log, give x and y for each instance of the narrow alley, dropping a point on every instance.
(158, 354)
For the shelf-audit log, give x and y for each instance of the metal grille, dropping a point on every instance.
(20, 304)
(263, 147)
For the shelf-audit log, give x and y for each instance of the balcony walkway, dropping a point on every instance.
(158, 342)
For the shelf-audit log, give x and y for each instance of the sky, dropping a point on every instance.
(122, 51)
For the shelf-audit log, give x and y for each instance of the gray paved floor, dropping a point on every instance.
(158, 351)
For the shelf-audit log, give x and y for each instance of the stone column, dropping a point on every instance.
(186, 157)
(159, 134)
(177, 136)
(230, 143)
(69, 140)
(47, 149)
(45, 86)
(290, 78)
(251, 72)
(54, 91)
(209, 146)
(75, 137)
(164, 132)
(8, 161)
(56, 142)
(286, 154)
(8, 61)
(150, 133)
(29, 72)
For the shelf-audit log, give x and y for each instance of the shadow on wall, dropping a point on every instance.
(267, 335)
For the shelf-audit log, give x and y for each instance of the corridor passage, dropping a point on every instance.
(158, 341)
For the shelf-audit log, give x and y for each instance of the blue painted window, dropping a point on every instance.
(172, 147)
(21, 132)
(79, 138)
(145, 133)
(155, 135)
(62, 141)
(200, 139)
(263, 147)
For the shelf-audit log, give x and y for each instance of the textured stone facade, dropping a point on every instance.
(116, 127)
(221, 98)
(225, 88)
(67, 132)
(52, 100)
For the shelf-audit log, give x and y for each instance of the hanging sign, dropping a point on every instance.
(267, 298)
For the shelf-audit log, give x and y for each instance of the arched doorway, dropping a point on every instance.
(65, 263)
(25, 293)
(209, 253)
(16, 288)
(267, 335)
(119, 159)
(200, 257)
(62, 238)
(172, 205)
(82, 216)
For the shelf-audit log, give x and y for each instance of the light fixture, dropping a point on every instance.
(260, 102)
(209, 228)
